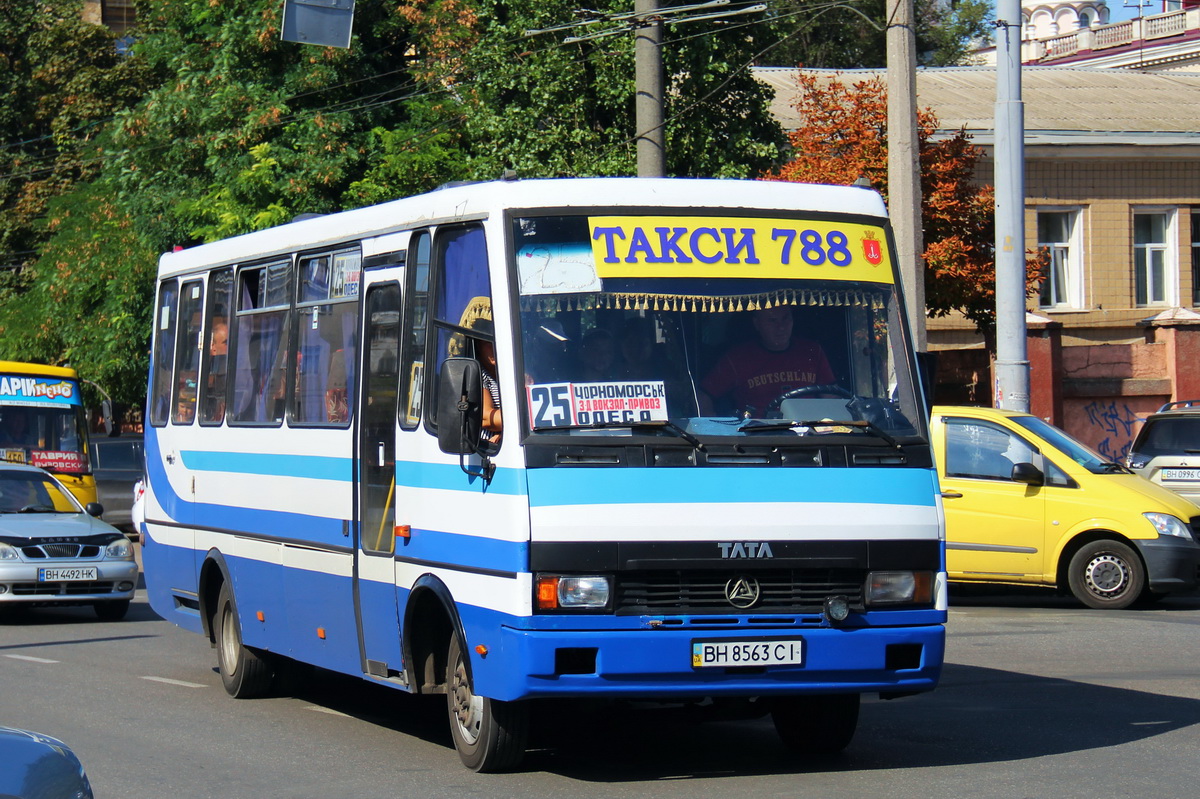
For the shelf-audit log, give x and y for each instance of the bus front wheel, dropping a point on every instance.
(821, 724)
(244, 673)
(489, 735)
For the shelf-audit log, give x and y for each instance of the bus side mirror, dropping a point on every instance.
(460, 406)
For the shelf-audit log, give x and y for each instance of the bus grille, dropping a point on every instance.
(781, 591)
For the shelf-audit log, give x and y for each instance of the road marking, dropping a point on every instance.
(330, 711)
(31, 659)
(169, 681)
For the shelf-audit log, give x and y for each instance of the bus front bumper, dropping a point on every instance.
(658, 664)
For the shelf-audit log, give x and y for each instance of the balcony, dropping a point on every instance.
(1094, 41)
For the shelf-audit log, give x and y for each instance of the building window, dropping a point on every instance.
(117, 15)
(1058, 233)
(1196, 256)
(1154, 277)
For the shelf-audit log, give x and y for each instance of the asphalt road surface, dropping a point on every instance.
(1039, 698)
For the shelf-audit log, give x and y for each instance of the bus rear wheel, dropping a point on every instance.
(244, 673)
(817, 725)
(489, 735)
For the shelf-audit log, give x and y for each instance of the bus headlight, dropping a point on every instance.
(556, 592)
(899, 588)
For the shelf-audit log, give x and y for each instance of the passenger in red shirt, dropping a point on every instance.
(756, 373)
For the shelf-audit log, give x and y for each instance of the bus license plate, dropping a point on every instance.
(786, 652)
(1181, 474)
(66, 575)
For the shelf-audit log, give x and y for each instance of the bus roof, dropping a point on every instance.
(477, 200)
(20, 368)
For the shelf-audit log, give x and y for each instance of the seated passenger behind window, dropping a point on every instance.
(637, 351)
(597, 356)
(545, 352)
(493, 422)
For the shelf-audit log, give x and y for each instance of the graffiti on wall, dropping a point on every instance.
(1111, 428)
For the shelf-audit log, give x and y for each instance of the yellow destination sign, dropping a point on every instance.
(688, 246)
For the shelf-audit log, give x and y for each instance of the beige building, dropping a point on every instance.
(1113, 192)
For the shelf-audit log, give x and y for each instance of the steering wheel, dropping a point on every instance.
(808, 391)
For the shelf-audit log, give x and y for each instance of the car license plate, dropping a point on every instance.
(777, 652)
(66, 574)
(1180, 474)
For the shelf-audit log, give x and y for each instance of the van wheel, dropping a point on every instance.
(489, 735)
(1106, 575)
(245, 673)
(818, 725)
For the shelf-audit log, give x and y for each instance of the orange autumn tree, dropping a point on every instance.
(843, 137)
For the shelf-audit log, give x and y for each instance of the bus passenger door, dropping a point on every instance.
(375, 573)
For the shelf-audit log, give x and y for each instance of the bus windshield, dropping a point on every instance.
(50, 436)
(714, 326)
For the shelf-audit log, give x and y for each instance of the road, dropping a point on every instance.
(1040, 698)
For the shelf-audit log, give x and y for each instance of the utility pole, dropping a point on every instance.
(647, 21)
(648, 73)
(1012, 359)
(904, 164)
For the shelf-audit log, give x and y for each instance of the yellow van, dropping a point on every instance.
(1026, 503)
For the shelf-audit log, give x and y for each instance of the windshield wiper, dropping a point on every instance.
(658, 424)
(867, 426)
(38, 509)
(667, 424)
(1113, 466)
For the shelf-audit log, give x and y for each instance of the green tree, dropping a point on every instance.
(853, 35)
(88, 299)
(245, 130)
(547, 108)
(61, 80)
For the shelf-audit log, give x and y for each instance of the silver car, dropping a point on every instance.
(36, 766)
(53, 552)
(1167, 449)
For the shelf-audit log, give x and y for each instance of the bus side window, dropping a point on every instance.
(164, 352)
(462, 302)
(261, 344)
(416, 324)
(187, 353)
(325, 335)
(215, 351)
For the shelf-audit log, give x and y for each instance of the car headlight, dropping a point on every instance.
(899, 588)
(556, 592)
(1166, 524)
(122, 548)
(9, 552)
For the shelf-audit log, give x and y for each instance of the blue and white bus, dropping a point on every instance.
(618, 439)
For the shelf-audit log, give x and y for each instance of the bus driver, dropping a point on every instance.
(755, 373)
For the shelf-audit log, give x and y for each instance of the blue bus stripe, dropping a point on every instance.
(320, 467)
(550, 487)
(413, 474)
